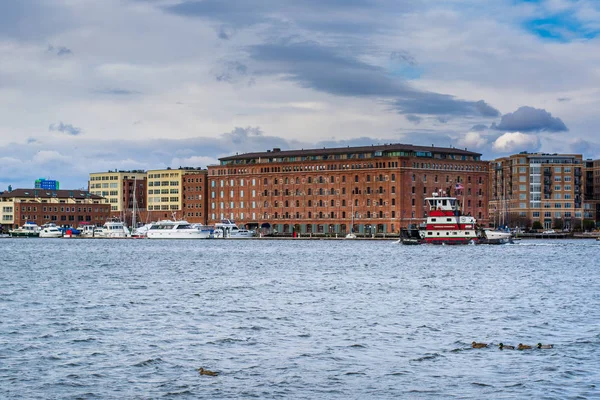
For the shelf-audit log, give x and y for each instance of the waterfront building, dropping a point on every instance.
(167, 191)
(376, 189)
(194, 196)
(529, 187)
(119, 189)
(48, 184)
(62, 207)
(591, 200)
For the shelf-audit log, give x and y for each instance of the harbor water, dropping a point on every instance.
(301, 319)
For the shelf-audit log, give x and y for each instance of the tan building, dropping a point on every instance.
(374, 189)
(61, 207)
(528, 187)
(117, 188)
(165, 192)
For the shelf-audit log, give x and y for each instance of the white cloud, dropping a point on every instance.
(516, 141)
(473, 140)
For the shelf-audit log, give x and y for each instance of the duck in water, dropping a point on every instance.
(545, 346)
(522, 346)
(207, 372)
(502, 346)
(476, 345)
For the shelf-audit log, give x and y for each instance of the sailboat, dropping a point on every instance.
(351, 235)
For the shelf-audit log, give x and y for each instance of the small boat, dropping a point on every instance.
(490, 236)
(50, 231)
(29, 229)
(351, 236)
(89, 231)
(228, 229)
(168, 229)
(113, 229)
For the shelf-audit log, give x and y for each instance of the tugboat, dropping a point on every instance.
(445, 224)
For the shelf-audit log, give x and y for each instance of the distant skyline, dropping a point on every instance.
(88, 86)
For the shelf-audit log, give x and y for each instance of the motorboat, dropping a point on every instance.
(113, 229)
(89, 231)
(496, 237)
(50, 231)
(29, 229)
(351, 235)
(142, 231)
(228, 229)
(168, 229)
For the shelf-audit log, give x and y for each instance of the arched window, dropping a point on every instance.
(309, 179)
(309, 191)
(266, 181)
(310, 203)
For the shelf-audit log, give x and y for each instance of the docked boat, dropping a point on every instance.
(89, 231)
(50, 231)
(29, 229)
(228, 229)
(176, 230)
(445, 224)
(496, 237)
(114, 229)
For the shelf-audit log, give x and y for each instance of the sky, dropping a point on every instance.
(91, 86)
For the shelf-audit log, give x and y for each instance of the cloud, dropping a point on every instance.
(118, 92)
(413, 118)
(473, 140)
(59, 51)
(511, 142)
(64, 128)
(324, 69)
(529, 119)
(231, 71)
(478, 128)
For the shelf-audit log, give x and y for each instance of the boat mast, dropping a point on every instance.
(133, 217)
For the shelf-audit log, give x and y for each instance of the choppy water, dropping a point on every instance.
(134, 319)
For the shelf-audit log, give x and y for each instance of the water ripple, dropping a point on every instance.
(297, 319)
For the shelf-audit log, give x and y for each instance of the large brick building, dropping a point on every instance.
(377, 188)
(62, 207)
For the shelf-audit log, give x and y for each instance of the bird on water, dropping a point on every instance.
(503, 346)
(476, 345)
(523, 347)
(545, 346)
(207, 372)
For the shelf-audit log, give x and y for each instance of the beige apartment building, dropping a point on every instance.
(166, 193)
(120, 189)
(529, 187)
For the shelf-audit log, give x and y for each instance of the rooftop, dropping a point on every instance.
(49, 194)
(385, 148)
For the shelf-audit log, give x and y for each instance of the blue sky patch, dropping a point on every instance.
(561, 27)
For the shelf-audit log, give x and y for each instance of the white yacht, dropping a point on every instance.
(50, 231)
(228, 229)
(176, 230)
(497, 236)
(88, 231)
(112, 230)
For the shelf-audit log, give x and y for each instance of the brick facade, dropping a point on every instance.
(317, 191)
